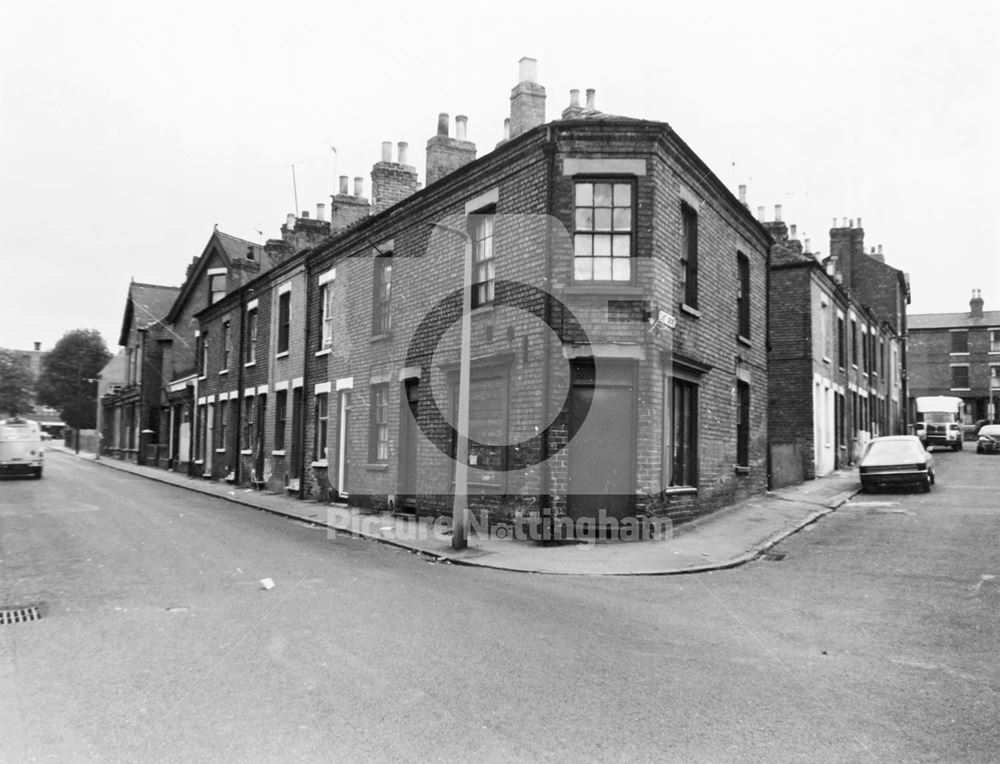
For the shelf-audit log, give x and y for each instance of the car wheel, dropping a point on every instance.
(958, 446)
(979, 449)
(865, 487)
(38, 474)
(925, 485)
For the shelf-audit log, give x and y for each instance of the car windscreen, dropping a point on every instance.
(938, 417)
(992, 430)
(896, 450)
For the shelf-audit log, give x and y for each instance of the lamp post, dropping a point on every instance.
(460, 504)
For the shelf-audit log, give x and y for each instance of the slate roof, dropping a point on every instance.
(952, 320)
(147, 303)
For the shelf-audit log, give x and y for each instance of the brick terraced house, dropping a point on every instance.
(618, 332)
(958, 354)
(835, 365)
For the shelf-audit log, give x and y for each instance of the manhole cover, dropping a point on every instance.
(773, 556)
(19, 615)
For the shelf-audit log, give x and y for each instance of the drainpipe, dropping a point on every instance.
(238, 417)
(140, 457)
(300, 466)
(544, 476)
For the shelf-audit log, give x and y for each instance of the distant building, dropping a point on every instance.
(958, 354)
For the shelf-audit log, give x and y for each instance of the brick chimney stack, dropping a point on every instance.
(976, 303)
(527, 99)
(847, 244)
(392, 181)
(345, 207)
(446, 154)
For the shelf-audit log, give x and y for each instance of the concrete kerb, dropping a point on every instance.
(830, 506)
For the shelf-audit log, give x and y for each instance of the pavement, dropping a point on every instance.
(725, 539)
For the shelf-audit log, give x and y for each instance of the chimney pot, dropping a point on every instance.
(386, 151)
(590, 99)
(574, 97)
(290, 220)
(38, 346)
(401, 148)
(760, 214)
(743, 194)
(321, 211)
(859, 223)
(527, 70)
(777, 213)
(851, 223)
(880, 249)
(806, 245)
(359, 186)
(461, 125)
(442, 123)
(506, 128)
(834, 224)
(343, 184)
(843, 222)
(305, 214)
(792, 230)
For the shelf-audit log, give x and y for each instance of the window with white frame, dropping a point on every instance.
(481, 227)
(602, 230)
(326, 314)
(994, 340)
(382, 295)
(251, 336)
(378, 439)
(226, 345)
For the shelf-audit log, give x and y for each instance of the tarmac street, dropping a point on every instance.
(870, 634)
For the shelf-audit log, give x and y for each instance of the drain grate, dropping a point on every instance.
(773, 556)
(19, 615)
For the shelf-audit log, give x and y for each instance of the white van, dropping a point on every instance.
(21, 449)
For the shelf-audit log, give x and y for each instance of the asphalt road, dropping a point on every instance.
(875, 638)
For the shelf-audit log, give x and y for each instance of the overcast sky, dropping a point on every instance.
(128, 129)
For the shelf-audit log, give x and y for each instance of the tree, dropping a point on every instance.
(69, 376)
(17, 383)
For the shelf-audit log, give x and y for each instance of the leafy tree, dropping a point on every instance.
(69, 375)
(17, 383)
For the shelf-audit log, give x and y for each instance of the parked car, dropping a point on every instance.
(896, 460)
(989, 439)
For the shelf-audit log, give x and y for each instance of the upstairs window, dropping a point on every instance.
(602, 238)
(689, 255)
(284, 320)
(841, 343)
(381, 298)
(226, 345)
(204, 354)
(481, 230)
(995, 340)
(216, 287)
(743, 295)
(326, 314)
(252, 336)
(959, 342)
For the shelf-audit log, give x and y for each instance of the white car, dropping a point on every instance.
(896, 460)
